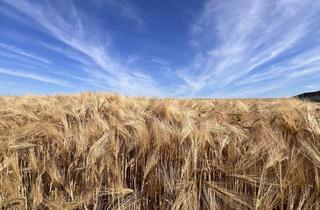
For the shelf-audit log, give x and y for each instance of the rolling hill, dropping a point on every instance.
(311, 96)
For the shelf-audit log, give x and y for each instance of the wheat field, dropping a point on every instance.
(107, 151)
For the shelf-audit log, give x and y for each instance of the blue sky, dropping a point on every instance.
(167, 48)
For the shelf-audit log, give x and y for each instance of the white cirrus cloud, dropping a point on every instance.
(108, 70)
(241, 42)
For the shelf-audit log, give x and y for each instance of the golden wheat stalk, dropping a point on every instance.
(105, 151)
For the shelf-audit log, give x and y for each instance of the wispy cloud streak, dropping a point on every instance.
(126, 9)
(23, 53)
(33, 76)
